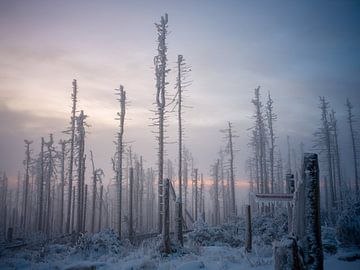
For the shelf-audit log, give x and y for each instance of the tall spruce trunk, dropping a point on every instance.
(232, 177)
(180, 215)
(120, 147)
(26, 194)
(71, 161)
(62, 185)
(216, 194)
(100, 206)
(131, 183)
(160, 72)
(41, 186)
(327, 137)
(354, 149)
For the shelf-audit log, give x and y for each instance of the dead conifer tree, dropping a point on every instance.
(216, 193)
(324, 135)
(41, 187)
(62, 182)
(271, 118)
(80, 145)
(71, 158)
(119, 151)
(182, 70)
(337, 162)
(26, 193)
(97, 175)
(100, 206)
(230, 150)
(354, 145)
(260, 141)
(50, 172)
(161, 70)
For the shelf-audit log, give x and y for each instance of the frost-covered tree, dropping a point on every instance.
(71, 131)
(181, 83)
(119, 151)
(26, 189)
(97, 175)
(259, 142)
(337, 163)
(160, 62)
(271, 118)
(62, 182)
(351, 121)
(324, 144)
(80, 151)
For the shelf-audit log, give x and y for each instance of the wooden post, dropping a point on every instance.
(314, 257)
(166, 225)
(248, 239)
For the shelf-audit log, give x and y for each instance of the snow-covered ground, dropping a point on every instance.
(205, 248)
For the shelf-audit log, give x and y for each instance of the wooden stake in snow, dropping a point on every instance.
(248, 239)
(313, 250)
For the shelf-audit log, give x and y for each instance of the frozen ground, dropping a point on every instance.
(205, 248)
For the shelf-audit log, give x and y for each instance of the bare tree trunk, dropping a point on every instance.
(131, 182)
(73, 210)
(41, 186)
(232, 177)
(120, 146)
(352, 134)
(62, 184)
(85, 205)
(196, 194)
(141, 194)
(313, 251)
(337, 157)
(48, 184)
(71, 161)
(326, 131)
(160, 72)
(27, 166)
(271, 117)
(216, 194)
(166, 229)
(101, 206)
(179, 86)
(93, 195)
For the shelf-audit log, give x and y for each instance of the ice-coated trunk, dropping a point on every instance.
(131, 183)
(216, 194)
(71, 161)
(41, 186)
(354, 149)
(166, 229)
(313, 250)
(26, 193)
(232, 177)
(62, 185)
(179, 201)
(100, 206)
(120, 151)
(160, 73)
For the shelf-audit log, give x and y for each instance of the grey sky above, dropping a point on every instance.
(296, 50)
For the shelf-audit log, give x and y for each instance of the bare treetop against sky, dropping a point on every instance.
(297, 51)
